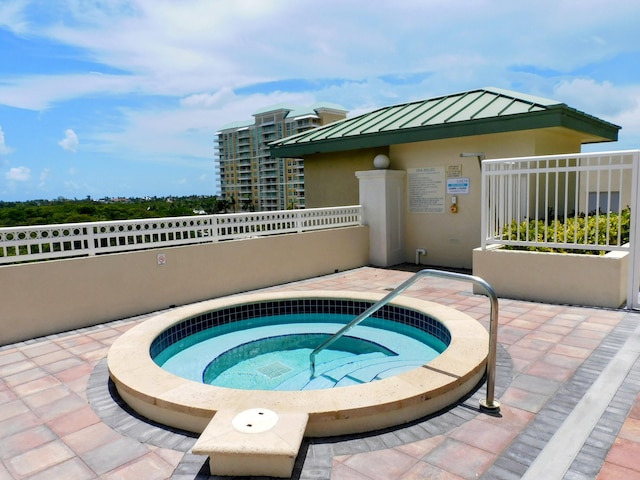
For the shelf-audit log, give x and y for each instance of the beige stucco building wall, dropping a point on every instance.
(448, 238)
(41, 298)
(330, 178)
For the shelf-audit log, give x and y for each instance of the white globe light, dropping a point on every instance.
(381, 161)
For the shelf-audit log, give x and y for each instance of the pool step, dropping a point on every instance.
(356, 370)
(328, 374)
(372, 371)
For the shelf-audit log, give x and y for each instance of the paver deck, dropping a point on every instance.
(60, 417)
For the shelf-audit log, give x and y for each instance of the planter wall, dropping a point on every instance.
(575, 279)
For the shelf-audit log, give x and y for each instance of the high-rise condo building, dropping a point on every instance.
(250, 178)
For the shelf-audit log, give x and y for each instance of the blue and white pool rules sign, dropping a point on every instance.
(458, 186)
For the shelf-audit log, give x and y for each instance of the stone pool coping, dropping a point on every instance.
(188, 405)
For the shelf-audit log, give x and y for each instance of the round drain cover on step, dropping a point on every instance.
(255, 420)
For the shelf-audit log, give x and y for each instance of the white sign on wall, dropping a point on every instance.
(426, 188)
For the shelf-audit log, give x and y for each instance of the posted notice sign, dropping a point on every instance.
(457, 186)
(426, 189)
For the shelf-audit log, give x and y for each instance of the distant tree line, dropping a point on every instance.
(62, 210)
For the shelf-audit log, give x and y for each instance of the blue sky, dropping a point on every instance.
(124, 97)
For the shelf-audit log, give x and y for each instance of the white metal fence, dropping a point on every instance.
(568, 202)
(41, 242)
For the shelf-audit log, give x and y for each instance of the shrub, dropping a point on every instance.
(598, 230)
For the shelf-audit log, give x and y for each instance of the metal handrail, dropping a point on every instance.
(489, 403)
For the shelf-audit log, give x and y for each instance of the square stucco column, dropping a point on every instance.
(382, 199)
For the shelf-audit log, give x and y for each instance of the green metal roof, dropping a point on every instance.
(476, 112)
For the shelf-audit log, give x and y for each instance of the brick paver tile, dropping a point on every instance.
(12, 409)
(421, 448)
(19, 443)
(66, 405)
(11, 356)
(25, 376)
(625, 453)
(72, 469)
(19, 423)
(523, 400)
(611, 471)
(423, 470)
(80, 419)
(460, 459)
(172, 457)
(90, 438)
(340, 471)
(46, 397)
(79, 371)
(630, 430)
(39, 459)
(553, 372)
(35, 386)
(114, 454)
(149, 467)
(480, 434)
(16, 367)
(40, 348)
(52, 357)
(381, 465)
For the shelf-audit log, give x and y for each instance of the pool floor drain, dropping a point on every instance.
(274, 369)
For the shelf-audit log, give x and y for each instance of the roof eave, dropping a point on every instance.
(593, 129)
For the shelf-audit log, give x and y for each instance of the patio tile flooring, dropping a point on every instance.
(59, 417)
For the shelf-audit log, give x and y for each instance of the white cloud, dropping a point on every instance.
(600, 99)
(164, 47)
(70, 141)
(4, 149)
(44, 177)
(12, 16)
(208, 100)
(186, 134)
(18, 174)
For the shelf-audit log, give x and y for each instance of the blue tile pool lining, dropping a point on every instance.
(227, 316)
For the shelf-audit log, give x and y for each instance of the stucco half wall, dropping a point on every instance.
(42, 298)
(576, 279)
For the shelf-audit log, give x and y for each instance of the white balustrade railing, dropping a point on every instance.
(544, 201)
(42, 242)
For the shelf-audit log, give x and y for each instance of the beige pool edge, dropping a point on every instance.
(177, 402)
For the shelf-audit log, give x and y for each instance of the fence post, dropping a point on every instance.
(633, 282)
(91, 238)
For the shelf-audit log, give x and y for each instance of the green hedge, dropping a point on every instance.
(576, 228)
